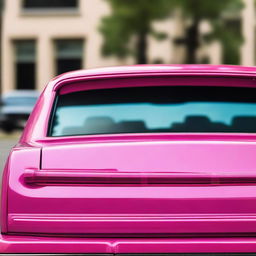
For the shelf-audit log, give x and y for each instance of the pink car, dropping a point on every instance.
(136, 160)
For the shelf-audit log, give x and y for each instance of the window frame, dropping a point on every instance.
(55, 54)
(15, 62)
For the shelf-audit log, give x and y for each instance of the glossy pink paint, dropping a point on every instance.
(63, 195)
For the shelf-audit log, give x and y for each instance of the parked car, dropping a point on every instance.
(136, 160)
(15, 108)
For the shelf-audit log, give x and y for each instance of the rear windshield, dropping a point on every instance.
(164, 109)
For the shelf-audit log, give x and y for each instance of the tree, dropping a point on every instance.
(127, 29)
(215, 13)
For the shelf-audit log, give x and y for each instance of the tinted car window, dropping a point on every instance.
(155, 109)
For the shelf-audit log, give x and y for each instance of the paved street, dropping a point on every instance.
(5, 145)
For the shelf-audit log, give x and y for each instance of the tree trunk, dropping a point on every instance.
(192, 42)
(142, 46)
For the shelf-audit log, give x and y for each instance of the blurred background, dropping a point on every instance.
(44, 38)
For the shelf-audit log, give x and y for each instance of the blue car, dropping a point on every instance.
(15, 108)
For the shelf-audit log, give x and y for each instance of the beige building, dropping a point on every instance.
(43, 38)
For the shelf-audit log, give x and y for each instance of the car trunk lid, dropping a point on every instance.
(138, 188)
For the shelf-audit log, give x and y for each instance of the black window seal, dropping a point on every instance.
(51, 118)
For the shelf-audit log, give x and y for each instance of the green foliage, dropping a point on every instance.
(129, 20)
(229, 34)
(219, 14)
(1, 5)
(207, 9)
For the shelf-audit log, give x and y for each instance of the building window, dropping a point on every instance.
(25, 64)
(68, 55)
(49, 4)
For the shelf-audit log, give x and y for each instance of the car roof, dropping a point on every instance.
(162, 68)
(152, 70)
